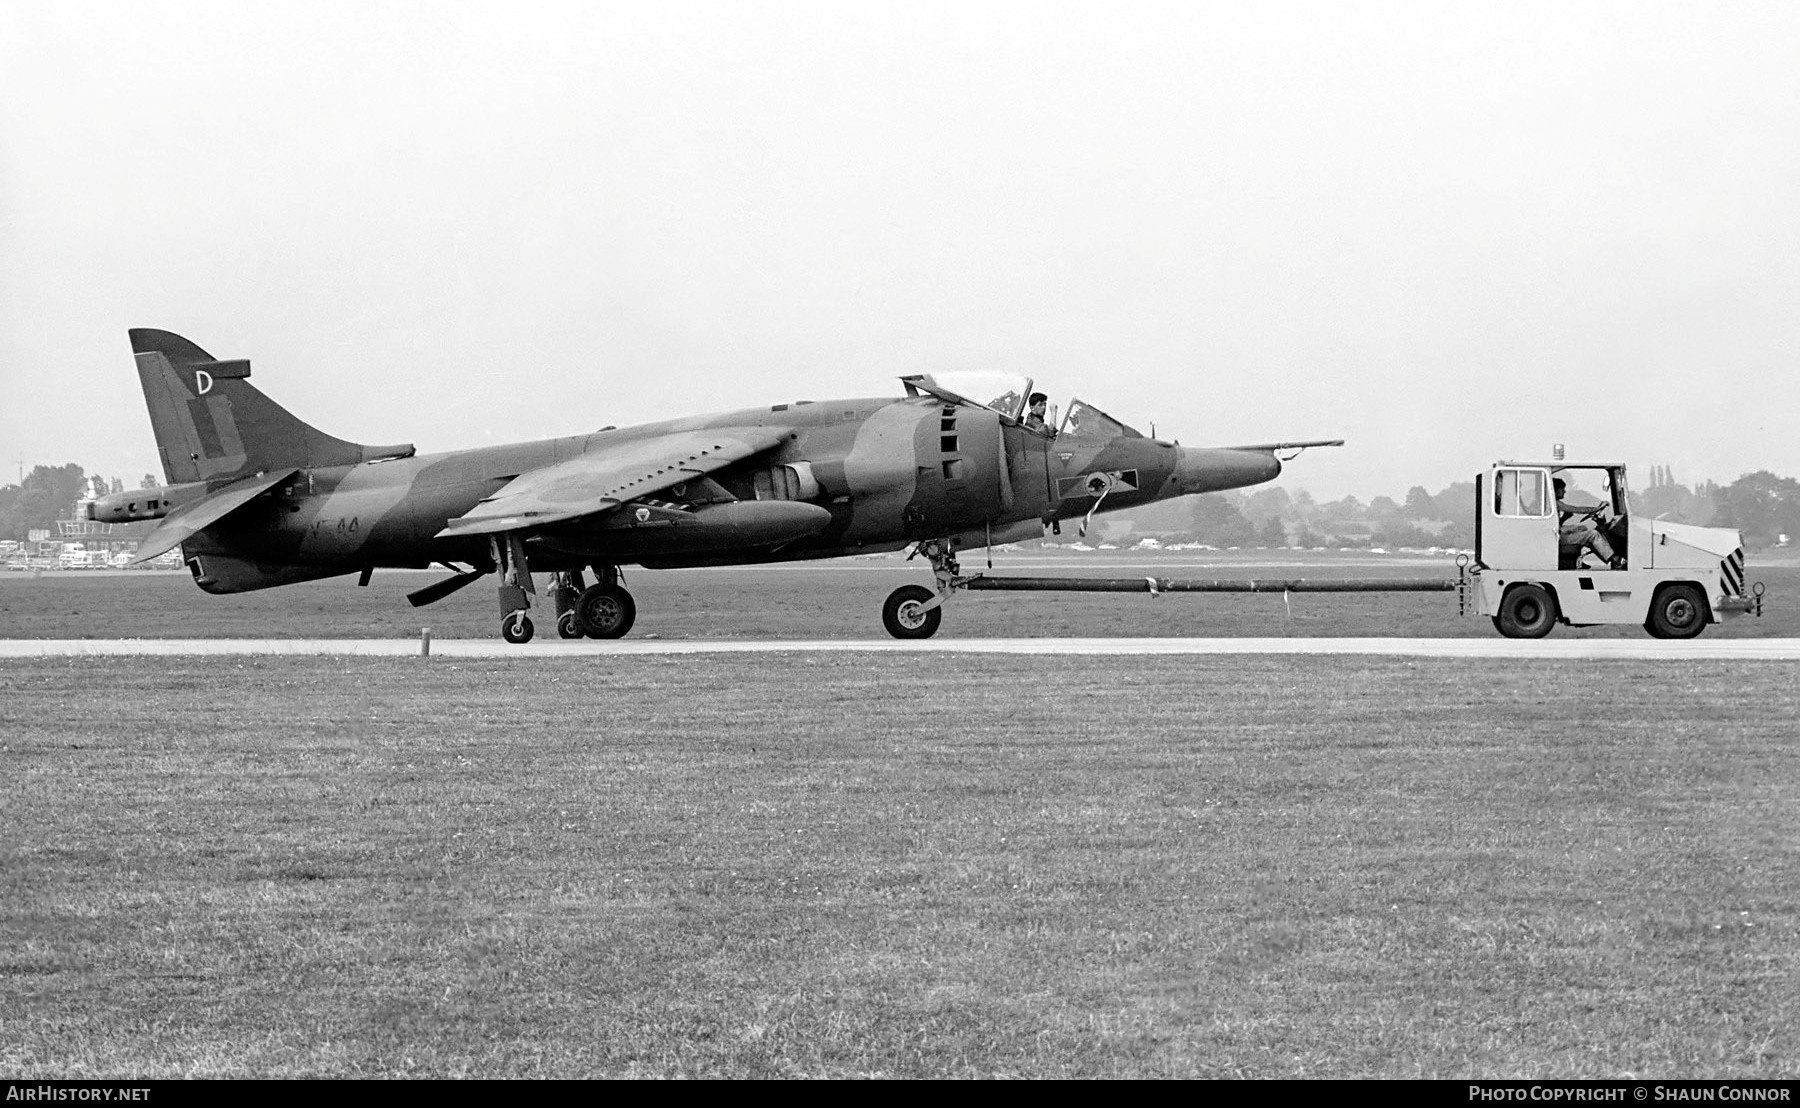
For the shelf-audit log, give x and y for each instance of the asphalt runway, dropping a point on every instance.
(1549, 648)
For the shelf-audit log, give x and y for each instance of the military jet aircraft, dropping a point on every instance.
(258, 498)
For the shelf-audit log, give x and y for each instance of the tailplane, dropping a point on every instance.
(212, 424)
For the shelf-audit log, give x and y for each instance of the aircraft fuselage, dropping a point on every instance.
(258, 497)
(886, 472)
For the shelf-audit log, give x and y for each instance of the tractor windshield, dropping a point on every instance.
(1592, 487)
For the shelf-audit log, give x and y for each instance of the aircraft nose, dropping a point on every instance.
(1204, 469)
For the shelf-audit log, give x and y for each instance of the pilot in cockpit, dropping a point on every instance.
(1034, 412)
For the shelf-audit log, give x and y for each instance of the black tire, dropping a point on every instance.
(1677, 612)
(567, 626)
(517, 628)
(605, 612)
(903, 616)
(1526, 612)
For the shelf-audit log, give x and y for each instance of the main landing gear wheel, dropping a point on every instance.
(567, 626)
(1678, 612)
(1526, 612)
(905, 615)
(516, 628)
(605, 612)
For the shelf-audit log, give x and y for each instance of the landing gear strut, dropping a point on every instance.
(914, 611)
(602, 611)
(565, 589)
(515, 586)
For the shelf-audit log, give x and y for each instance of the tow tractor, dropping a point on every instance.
(1535, 564)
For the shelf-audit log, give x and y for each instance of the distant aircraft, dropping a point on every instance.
(258, 498)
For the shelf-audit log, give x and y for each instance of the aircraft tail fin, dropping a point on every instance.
(212, 424)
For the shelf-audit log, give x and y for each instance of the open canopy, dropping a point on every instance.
(1008, 391)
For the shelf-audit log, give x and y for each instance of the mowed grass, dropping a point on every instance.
(822, 600)
(819, 865)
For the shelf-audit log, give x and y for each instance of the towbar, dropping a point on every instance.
(1180, 584)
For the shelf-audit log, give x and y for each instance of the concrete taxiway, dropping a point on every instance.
(1552, 648)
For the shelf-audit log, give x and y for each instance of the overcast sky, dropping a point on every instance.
(1447, 233)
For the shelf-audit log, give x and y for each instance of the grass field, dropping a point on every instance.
(816, 865)
(826, 866)
(837, 599)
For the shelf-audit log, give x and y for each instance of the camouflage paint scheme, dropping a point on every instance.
(258, 498)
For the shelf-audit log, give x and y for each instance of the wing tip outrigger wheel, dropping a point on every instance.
(568, 626)
(516, 628)
(508, 553)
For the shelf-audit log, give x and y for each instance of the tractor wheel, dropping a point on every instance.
(1677, 612)
(1526, 612)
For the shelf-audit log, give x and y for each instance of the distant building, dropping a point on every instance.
(83, 543)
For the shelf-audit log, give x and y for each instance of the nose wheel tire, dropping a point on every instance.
(516, 628)
(905, 615)
(1526, 612)
(1678, 612)
(605, 612)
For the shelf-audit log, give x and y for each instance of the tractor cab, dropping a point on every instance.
(1554, 516)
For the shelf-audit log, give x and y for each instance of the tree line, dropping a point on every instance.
(1761, 505)
(49, 493)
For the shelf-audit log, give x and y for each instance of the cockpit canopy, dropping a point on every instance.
(1085, 419)
(1011, 394)
(1010, 391)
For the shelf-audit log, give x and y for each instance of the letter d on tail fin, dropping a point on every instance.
(212, 424)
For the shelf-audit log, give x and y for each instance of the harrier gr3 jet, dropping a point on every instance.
(258, 498)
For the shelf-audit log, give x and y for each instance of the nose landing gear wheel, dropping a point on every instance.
(605, 612)
(516, 628)
(905, 615)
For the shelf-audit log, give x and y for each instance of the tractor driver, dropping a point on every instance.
(1576, 529)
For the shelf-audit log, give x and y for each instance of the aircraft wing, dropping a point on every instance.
(601, 480)
(188, 520)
